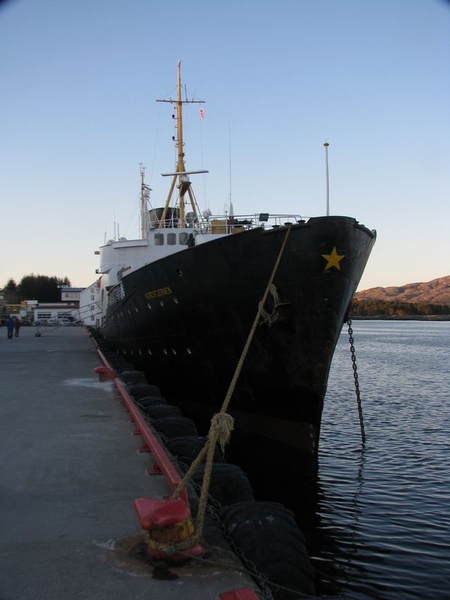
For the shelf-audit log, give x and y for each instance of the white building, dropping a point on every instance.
(48, 313)
(90, 308)
(70, 294)
(52, 313)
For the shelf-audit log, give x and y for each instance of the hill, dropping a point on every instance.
(436, 291)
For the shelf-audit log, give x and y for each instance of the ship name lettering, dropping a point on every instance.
(165, 291)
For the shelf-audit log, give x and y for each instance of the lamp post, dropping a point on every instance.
(327, 177)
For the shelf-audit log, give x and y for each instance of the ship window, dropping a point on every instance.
(183, 238)
(171, 239)
(159, 239)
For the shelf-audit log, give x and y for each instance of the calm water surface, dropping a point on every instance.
(383, 510)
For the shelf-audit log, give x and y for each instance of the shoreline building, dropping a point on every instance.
(90, 305)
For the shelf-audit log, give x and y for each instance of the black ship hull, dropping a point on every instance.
(184, 320)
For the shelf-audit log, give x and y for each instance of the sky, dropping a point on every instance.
(78, 115)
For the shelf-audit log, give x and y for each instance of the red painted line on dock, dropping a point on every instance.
(162, 460)
(240, 594)
(152, 443)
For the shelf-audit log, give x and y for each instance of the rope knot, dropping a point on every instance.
(222, 424)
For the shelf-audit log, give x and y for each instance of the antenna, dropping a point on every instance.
(327, 178)
(229, 153)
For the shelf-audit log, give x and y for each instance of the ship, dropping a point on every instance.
(185, 300)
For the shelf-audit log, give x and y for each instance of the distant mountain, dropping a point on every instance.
(436, 291)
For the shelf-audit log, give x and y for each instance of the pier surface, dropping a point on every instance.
(70, 472)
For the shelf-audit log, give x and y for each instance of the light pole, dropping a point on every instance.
(327, 178)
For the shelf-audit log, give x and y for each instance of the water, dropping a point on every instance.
(382, 525)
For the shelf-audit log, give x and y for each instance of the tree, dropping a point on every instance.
(11, 286)
(376, 308)
(42, 288)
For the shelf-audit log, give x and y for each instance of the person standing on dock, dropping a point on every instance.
(17, 325)
(10, 327)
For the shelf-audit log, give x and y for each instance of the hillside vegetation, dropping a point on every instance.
(424, 299)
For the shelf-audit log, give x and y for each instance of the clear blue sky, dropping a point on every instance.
(79, 83)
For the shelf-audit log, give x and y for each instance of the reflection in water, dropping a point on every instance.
(331, 540)
(376, 518)
(382, 527)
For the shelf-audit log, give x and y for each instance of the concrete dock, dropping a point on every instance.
(70, 472)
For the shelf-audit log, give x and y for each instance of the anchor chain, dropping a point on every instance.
(355, 377)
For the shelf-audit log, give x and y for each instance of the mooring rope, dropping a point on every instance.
(222, 424)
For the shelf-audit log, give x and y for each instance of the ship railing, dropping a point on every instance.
(233, 224)
(224, 224)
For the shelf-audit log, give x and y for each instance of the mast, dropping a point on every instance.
(145, 195)
(180, 175)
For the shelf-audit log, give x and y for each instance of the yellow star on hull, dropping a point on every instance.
(333, 259)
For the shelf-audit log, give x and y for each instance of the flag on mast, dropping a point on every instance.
(202, 113)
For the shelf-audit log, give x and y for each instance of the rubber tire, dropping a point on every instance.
(150, 401)
(229, 484)
(172, 427)
(268, 535)
(141, 389)
(161, 411)
(119, 364)
(133, 377)
(186, 448)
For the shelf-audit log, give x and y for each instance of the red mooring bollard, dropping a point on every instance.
(166, 522)
(104, 373)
